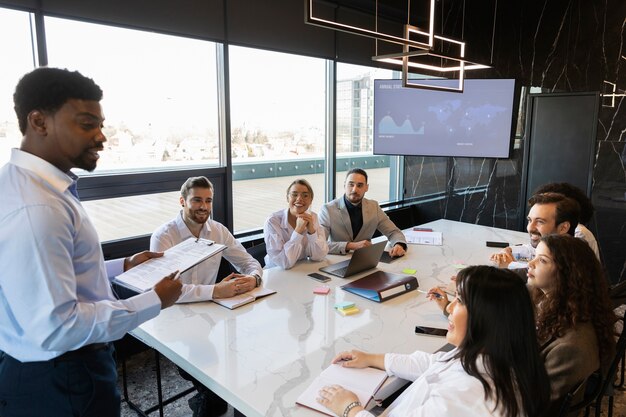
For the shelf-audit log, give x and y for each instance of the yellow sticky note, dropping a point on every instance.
(349, 311)
(409, 271)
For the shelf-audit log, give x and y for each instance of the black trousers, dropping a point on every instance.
(83, 383)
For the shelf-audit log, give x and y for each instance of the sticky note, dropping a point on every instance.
(409, 271)
(348, 311)
(344, 305)
(321, 290)
(458, 266)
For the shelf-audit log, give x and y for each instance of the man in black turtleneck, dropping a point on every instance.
(351, 220)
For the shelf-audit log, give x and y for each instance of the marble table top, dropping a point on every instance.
(261, 356)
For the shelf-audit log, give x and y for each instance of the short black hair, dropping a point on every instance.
(571, 191)
(357, 171)
(48, 89)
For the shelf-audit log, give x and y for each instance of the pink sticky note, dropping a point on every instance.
(321, 290)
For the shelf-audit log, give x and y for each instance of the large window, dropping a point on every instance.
(160, 104)
(277, 130)
(355, 118)
(18, 58)
(160, 92)
(162, 120)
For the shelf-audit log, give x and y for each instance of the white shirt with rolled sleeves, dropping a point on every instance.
(441, 388)
(55, 293)
(199, 281)
(285, 246)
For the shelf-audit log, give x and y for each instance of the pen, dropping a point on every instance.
(437, 295)
(176, 276)
(422, 229)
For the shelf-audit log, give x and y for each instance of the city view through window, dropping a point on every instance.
(161, 109)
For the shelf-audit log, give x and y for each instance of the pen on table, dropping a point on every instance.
(437, 295)
(422, 229)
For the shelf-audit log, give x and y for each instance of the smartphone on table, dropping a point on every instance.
(430, 331)
(319, 277)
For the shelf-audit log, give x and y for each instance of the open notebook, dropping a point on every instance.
(363, 382)
(245, 298)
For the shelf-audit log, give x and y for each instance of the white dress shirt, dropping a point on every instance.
(441, 388)
(285, 246)
(585, 234)
(199, 281)
(55, 293)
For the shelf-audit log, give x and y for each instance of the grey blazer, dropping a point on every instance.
(335, 221)
(570, 359)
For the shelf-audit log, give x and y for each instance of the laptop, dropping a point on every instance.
(362, 259)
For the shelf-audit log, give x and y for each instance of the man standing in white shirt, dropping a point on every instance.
(57, 311)
(199, 283)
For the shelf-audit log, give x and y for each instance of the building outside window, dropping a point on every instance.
(160, 104)
(277, 130)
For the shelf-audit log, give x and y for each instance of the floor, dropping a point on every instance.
(142, 388)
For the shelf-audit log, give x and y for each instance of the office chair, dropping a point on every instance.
(606, 389)
(258, 252)
(591, 387)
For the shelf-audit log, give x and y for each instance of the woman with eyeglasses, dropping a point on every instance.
(294, 233)
(495, 369)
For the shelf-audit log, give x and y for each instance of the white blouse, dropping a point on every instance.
(441, 387)
(285, 246)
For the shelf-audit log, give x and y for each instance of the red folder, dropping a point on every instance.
(380, 286)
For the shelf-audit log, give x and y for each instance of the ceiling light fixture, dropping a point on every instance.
(422, 51)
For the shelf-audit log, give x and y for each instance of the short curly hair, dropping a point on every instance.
(48, 89)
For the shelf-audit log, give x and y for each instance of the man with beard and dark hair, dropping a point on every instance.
(550, 213)
(200, 282)
(586, 210)
(58, 314)
(350, 221)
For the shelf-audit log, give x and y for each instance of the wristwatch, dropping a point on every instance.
(259, 280)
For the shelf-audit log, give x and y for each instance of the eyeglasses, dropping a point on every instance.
(294, 195)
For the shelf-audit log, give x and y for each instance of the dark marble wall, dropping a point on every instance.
(559, 46)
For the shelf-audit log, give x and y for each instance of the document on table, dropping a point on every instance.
(424, 238)
(364, 382)
(181, 257)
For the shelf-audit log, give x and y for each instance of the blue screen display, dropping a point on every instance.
(475, 123)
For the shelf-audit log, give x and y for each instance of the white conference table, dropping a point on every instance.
(260, 357)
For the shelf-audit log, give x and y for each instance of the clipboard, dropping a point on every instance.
(181, 257)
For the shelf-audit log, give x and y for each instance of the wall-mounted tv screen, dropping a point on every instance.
(424, 122)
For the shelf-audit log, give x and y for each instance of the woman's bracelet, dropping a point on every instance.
(350, 407)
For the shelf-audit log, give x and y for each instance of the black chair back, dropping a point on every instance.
(258, 252)
(606, 390)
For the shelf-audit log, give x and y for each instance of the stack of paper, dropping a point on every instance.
(424, 238)
(180, 258)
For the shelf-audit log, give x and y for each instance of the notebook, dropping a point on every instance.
(362, 259)
(245, 298)
(364, 382)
